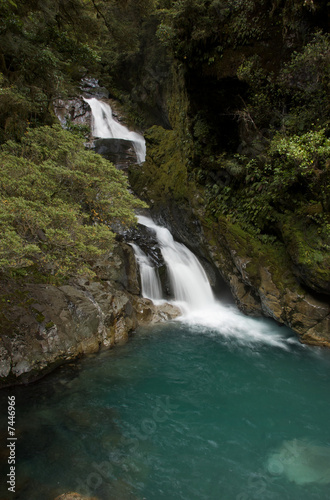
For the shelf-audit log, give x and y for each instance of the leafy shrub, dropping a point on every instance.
(58, 202)
(294, 175)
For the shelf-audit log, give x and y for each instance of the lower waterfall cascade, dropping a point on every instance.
(104, 126)
(193, 294)
(189, 283)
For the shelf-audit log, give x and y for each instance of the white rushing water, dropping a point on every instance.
(187, 277)
(104, 126)
(150, 282)
(193, 294)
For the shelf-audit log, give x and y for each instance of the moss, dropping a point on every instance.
(15, 300)
(5, 323)
(272, 256)
(10, 297)
(308, 245)
(38, 315)
(37, 276)
(164, 175)
(229, 240)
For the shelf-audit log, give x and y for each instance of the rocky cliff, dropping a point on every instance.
(268, 274)
(43, 325)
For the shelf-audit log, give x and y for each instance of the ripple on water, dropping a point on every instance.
(189, 412)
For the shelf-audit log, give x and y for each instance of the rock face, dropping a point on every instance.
(278, 281)
(62, 323)
(148, 313)
(48, 325)
(118, 151)
(75, 111)
(261, 277)
(263, 283)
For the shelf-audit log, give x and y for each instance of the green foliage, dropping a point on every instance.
(122, 37)
(305, 85)
(309, 247)
(15, 109)
(44, 49)
(284, 168)
(303, 160)
(199, 30)
(246, 21)
(164, 174)
(264, 97)
(58, 202)
(297, 97)
(295, 174)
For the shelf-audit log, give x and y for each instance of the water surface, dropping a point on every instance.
(181, 412)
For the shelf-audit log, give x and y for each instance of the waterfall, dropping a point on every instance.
(105, 127)
(188, 279)
(151, 288)
(193, 294)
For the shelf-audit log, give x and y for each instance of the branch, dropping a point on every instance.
(101, 14)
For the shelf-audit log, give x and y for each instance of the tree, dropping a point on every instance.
(58, 202)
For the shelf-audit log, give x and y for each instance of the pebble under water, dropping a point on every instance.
(181, 412)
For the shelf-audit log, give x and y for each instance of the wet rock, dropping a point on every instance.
(91, 88)
(48, 325)
(75, 111)
(5, 362)
(249, 304)
(148, 313)
(61, 323)
(119, 151)
(263, 283)
(120, 267)
(270, 296)
(146, 240)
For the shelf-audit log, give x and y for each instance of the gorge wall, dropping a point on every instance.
(237, 169)
(262, 276)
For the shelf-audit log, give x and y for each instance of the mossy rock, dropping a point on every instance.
(259, 255)
(308, 246)
(164, 173)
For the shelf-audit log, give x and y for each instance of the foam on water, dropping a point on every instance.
(229, 322)
(301, 461)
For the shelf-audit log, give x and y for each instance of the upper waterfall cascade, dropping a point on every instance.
(188, 279)
(104, 126)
